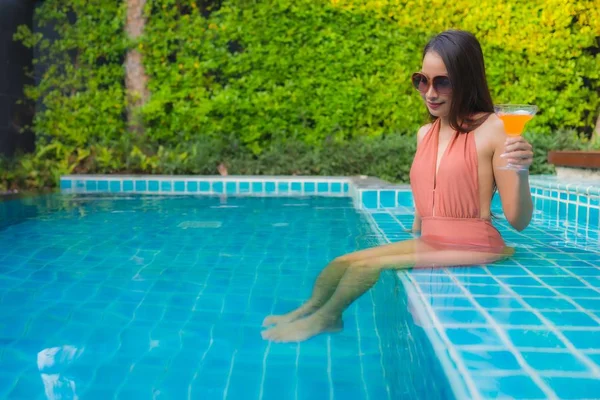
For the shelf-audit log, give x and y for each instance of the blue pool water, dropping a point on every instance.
(133, 297)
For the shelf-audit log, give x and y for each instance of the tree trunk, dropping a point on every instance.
(135, 76)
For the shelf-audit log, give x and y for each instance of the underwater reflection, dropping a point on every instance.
(51, 363)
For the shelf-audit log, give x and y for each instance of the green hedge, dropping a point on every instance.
(289, 86)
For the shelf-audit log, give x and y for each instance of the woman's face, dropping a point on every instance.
(437, 96)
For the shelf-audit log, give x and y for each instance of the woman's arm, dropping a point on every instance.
(513, 186)
(416, 226)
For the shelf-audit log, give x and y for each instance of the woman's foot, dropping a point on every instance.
(289, 317)
(302, 329)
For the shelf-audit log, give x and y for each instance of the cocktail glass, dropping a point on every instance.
(515, 116)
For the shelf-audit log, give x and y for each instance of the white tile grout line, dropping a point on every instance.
(329, 373)
(509, 345)
(296, 374)
(440, 342)
(229, 374)
(574, 351)
(360, 356)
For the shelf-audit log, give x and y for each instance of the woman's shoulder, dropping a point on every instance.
(422, 132)
(491, 130)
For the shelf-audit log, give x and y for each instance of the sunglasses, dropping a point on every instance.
(441, 84)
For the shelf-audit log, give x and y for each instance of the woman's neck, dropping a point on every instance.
(444, 123)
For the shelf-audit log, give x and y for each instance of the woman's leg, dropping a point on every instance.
(360, 276)
(328, 279)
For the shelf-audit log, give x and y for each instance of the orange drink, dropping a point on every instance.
(514, 117)
(514, 123)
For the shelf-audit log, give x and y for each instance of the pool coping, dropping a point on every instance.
(375, 195)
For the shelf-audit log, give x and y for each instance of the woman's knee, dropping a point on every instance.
(362, 264)
(345, 259)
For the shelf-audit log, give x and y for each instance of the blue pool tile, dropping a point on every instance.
(29, 386)
(166, 186)
(296, 187)
(179, 186)
(204, 186)
(404, 199)
(582, 214)
(586, 388)
(490, 360)
(322, 187)
(336, 187)
(594, 216)
(269, 187)
(460, 317)
(476, 279)
(114, 186)
(429, 278)
(542, 361)
(66, 184)
(520, 281)
(283, 187)
(578, 292)
(473, 336)
(514, 317)
(440, 289)
(513, 387)
(244, 187)
(192, 186)
(369, 199)
(595, 358)
(387, 198)
(562, 281)
(450, 302)
(309, 187)
(486, 290)
(553, 209)
(231, 188)
(583, 339)
(548, 303)
(594, 281)
(346, 188)
(532, 291)
(257, 187)
(503, 271)
(140, 186)
(217, 187)
(534, 338)
(562, 211)
(153, 186)
(571, 210)
(498, 302)
(539, 203)
(103, 186)
(127, 186)
(570, 318)
(467, 270)
(91, 186)
(589, 304)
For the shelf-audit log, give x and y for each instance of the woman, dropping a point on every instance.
(453, 177)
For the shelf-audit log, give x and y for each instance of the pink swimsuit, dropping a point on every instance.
(449, 203)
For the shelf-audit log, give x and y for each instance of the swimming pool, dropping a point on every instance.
(129, 296)
(125, 295)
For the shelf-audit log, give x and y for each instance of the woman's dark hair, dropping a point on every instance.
(463, 57)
